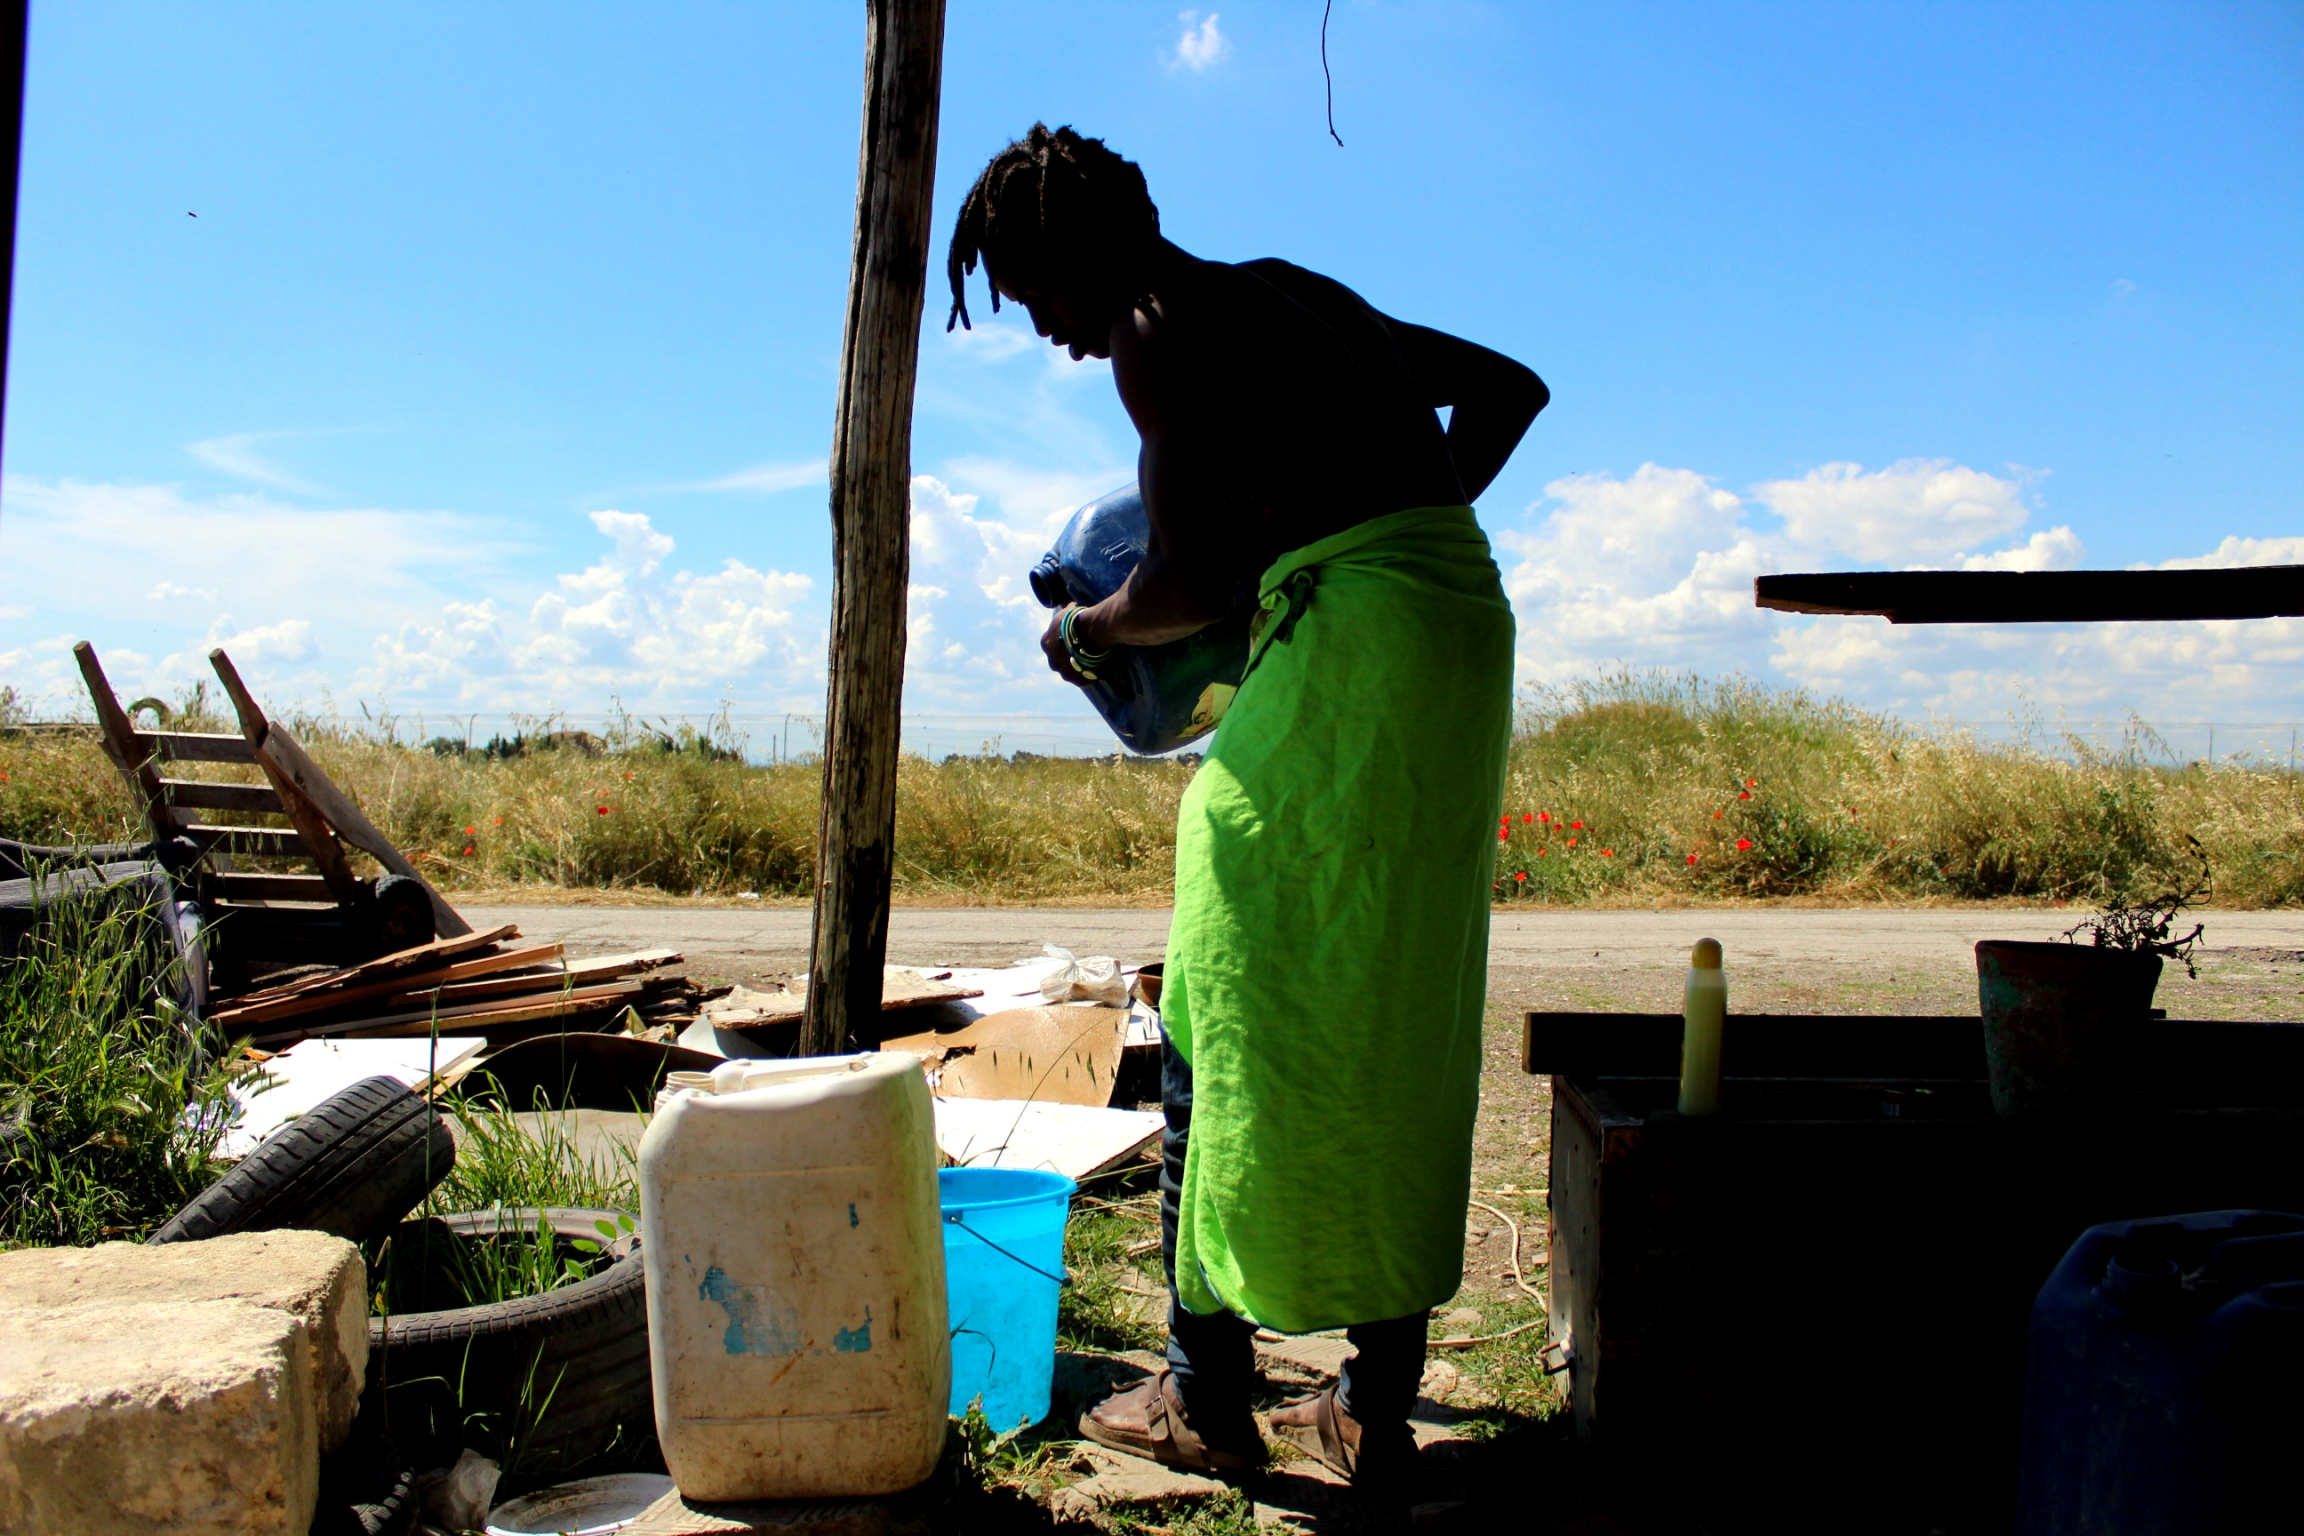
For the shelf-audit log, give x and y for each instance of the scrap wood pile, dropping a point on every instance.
(487, 984)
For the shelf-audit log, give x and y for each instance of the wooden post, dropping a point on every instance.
(871, 523)
(13, 17)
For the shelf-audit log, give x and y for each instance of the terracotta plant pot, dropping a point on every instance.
(2059, 1021)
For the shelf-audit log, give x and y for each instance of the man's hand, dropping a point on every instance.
(1059, 658)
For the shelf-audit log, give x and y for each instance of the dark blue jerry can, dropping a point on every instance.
(2164, 1388)
(1155, 697)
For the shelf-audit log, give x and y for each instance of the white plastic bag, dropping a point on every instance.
(1096, 979)
(460, 1500)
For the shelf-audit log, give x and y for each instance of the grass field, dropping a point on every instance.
(1628, 789)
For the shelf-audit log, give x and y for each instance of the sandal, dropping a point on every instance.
(1377, 1459)
(1147, 1420)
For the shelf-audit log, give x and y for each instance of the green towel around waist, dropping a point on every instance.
(1327, 964)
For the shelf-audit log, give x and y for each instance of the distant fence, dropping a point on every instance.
(781, 738)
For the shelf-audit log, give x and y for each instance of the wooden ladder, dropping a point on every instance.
(321, 818)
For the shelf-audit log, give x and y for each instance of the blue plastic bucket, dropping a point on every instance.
(1003, 1264)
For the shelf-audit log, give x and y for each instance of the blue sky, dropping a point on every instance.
(496, 369)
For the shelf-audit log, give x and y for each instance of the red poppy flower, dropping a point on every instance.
(1539, 853)
(469, 831)
(1691, 858)
(1743, 794)
(1527, 816)
(603, 810)
(1575, 826)
(1751, 783)
(1607, 853)
(1743, 845)
(1544, 817)
(1521, 876)
(499, 821)
(1572, 841)
(1503, 836)
(1716, 815)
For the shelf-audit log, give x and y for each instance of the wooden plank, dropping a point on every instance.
(284, 752)
(254, 842)
(476, 1015)
(125, 746)
(319, 842)
(197, 794)
(570, 973)
(196, 746)
(396, 964)
(324, 997)
(871, 515)
(2040, 597)
(239, 885)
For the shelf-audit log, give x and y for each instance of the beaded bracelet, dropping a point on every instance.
(1084, 661)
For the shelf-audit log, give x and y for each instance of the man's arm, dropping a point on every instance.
(1494, 397)
(1184, 582)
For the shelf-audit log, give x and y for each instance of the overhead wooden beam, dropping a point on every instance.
(2040, 597)
(871, 518)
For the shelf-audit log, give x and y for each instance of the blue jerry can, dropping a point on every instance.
(2164, 1387)
(1155, 697)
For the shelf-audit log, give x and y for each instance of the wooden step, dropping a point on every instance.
(193, 794)
(261, 842)
(196, 746)
(239, 886)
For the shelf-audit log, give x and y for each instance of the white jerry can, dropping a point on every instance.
(795, 1260)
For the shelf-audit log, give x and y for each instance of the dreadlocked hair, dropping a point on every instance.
(1047, 205)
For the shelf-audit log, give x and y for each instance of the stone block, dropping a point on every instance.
(184, 1418)
(308, 1274)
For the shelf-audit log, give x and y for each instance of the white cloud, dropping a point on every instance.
(622, 626)
(2238, 551)
(1914, 510)
(285, 643)
(767, 479)
(169, 591)
(2051, 549)
(236, 455)
(1202, 46)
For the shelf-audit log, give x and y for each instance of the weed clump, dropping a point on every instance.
(112, 1098)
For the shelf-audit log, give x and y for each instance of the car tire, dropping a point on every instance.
(352, 1166)
(585, 1345)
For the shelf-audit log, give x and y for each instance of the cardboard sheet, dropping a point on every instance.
(1070, 1139)
(313, 1070)
(901, 986)
(1065, 1054)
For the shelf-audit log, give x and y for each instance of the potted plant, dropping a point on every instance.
(2060, 1015)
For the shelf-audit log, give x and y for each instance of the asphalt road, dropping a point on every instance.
(1799, 959)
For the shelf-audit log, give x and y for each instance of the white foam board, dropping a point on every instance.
(310, 1071)
(1071, 1139)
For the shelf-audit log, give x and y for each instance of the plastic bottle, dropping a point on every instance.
(1704, 1012)
(1156, 697)
(795, 1260)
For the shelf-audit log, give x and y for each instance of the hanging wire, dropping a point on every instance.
(1327, 77)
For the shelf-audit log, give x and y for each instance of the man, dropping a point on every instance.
(1327, 964)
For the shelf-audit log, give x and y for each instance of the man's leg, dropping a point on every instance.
(1360, 1425)
(1212, 1358)
(1378, 1384)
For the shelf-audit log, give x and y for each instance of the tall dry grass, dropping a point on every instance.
(1687, 789)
